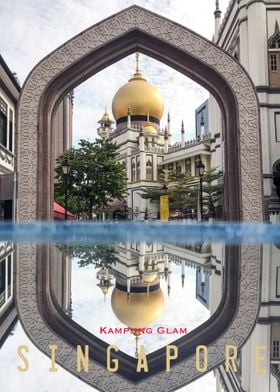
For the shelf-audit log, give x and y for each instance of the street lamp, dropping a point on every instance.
(201, 169)
(125, 209)
(78, 204)
(66, 171)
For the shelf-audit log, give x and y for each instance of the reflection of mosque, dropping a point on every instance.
(141, 274)
(143, 271)
(146, 268)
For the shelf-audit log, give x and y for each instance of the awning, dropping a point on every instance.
(59, 212)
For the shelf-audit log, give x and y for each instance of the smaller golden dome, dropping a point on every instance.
(149, 277)
(150, 130)
(105, 118)
(141, 310)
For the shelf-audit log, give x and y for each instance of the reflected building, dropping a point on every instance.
(61, 276)
(8, 313)
(143, 271)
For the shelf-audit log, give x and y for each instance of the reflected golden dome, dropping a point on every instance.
(149, 277)
(142, 97)
(140, 311)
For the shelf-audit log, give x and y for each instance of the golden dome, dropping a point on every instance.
(140, 311)
(149, 277)
(150, 130)
(142, 97)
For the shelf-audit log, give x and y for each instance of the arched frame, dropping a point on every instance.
(137, 29)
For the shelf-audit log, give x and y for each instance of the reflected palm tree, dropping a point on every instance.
(100, 256)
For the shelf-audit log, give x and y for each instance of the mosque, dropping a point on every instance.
(145, 147)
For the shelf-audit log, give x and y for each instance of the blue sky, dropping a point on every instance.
(33, 28)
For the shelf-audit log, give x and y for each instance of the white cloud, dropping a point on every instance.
(33, 29)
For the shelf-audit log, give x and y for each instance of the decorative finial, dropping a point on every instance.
(168, 117)
(276, 27)
(217, 5)
(137, 62)
(217, 12)
(148, 117)
(136, 346)
(182, 127)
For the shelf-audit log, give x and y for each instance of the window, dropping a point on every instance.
(2, 282)
(178, 167)
(170, 166)
(275, 43)
(276, 349)
(133, 172)
(273, 62)
(3, 122)
(11, 129)
(277, 126)
(138, 170)
(274, 58)
(9, 276)
(188, 166)
(149, 170)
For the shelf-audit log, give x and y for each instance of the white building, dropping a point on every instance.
(9, 92)
(249, 32)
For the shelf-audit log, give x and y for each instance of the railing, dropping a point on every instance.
(2, 299)
(6, 156)
(190, 143)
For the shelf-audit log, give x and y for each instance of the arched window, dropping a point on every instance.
(133, 172)
(178, 167)
(188, 166)
(146, 141)
(138, 171)
(149, 170)
(274, 58)
(153, 142)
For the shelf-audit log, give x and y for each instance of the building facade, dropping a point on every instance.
(9, 93)
(249, 32)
